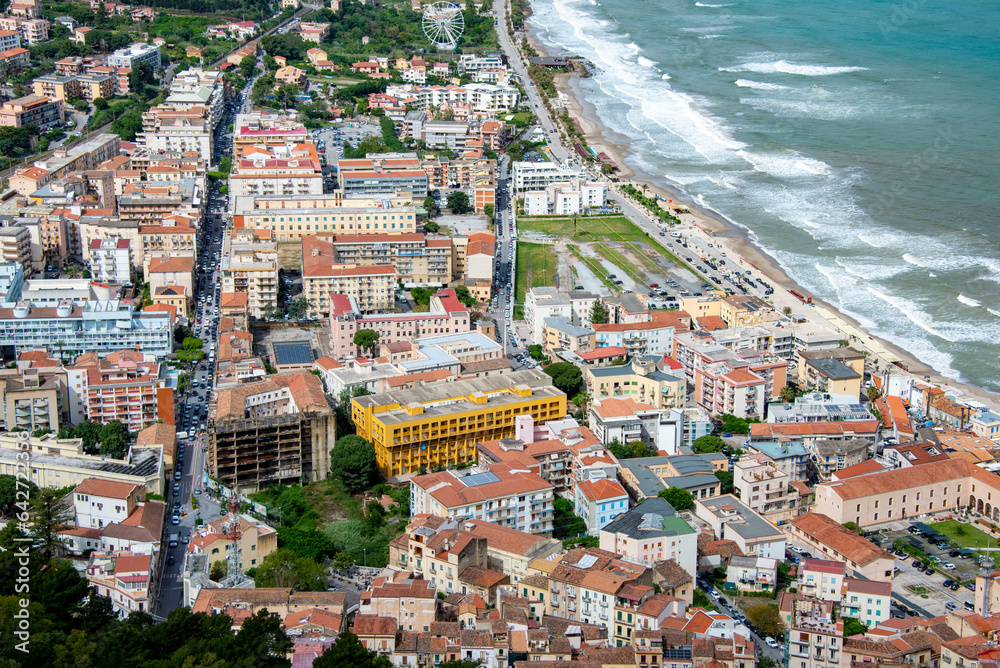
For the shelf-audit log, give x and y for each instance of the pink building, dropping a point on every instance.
(447, 315)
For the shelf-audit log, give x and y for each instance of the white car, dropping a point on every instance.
(948, 566)
(771, 642)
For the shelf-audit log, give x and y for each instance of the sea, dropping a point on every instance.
(855, 141)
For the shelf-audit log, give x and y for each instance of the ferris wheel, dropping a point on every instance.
(443, 24)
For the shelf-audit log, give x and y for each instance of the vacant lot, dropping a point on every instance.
(616, 229)
(537, 265)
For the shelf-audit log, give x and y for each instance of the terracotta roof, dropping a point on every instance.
(658, 319)
(107, 488)
(601, 489)
(482, 577)
(862, 468)
(180, 263)
(450, 492)
(900, 479)
(158, 433)
(608, 408)
(670, 574)
(604, 353)
(504, 539)
(306, 390)
(769, 430)
(844, 541)
(373, 625)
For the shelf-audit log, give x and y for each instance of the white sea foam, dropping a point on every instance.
(759, 85)
(711, 36)
(785, 67)
(705, 4)
(968, 301)
(789, 165)
(666, 77)
(994, 312)
(646, 62)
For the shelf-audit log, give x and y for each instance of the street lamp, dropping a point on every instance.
(364, 555)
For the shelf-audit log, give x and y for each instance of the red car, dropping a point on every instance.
(654, 285)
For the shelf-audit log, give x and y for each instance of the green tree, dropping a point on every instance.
(873, 393)
(218, 571)
(348, 651)
(458, 201)
(567, 377)
(852, 526)
(298, 308)
(464, 296)
(726, 478)
(678, 497)
(51, 513)
(432, 209)
(352, 461)
(366, 339)
(9, 496)
(536, 352)
(706, 444)
(565, 523)
(640, 449)
(599, 313)
(767, 619)
(192, 343)
(489, 210)
(247, 66)
(765, 662)
(100, 104)
(430, 227)
(261, 642)
(735, 425)
(305, 542)
(285, 569)
(787, 394)
(114, 439)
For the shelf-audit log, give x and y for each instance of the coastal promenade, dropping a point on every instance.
(699, 230)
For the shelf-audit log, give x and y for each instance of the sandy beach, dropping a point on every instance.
(738, 245)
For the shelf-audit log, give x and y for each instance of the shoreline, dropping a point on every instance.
(737, 242)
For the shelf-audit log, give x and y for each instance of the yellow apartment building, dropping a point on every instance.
(325, 215)
(440, 425)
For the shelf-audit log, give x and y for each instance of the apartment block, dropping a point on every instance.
(547, 302)
(250, 266)
(765, 488)
(128, 579)
(56, 87)
(507, 550)
(372, 287)
(34, 399)
(133, 55)
(480, 97)
(273, 170)
(324, 215)
(565, 198)
(95, 326)
(815, 636)
(13, 61)
(267, 127)
(643, 380)
(40, 110)
(626, 420)
(822, 579)
(256, 540)
(125, 390)
(534, 176)
(652, 532)
(446, 315)
(646, 477)
(504, 495)
(866, 601)
(419, 261)
(385, 173)
(440, 425)
(110, 261)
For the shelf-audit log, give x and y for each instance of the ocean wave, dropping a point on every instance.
(968, 301)
(759, 85)
(785, 67)
(646, 62)
(785, 166)
(705, 4)
(711, 36)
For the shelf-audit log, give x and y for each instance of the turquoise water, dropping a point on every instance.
(856, 141)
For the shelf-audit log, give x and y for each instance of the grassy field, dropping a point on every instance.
(603, 228)
(965, 535)
(537, 265)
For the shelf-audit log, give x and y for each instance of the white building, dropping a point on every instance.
(529, 176)
(99, 502)
(752, 573)
(731, 520)
(505, 496)
(481, 97)
(650, 532)
(565, 198)
(110, 260)
(765, 488)
(627, 420)
(95, 326)
(133, 55)
(822, 579)
(123, 577)
(547, 302)
(598, 502)
(866, 600)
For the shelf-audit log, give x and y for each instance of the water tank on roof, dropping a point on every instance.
(21, 310)
(64, 309)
